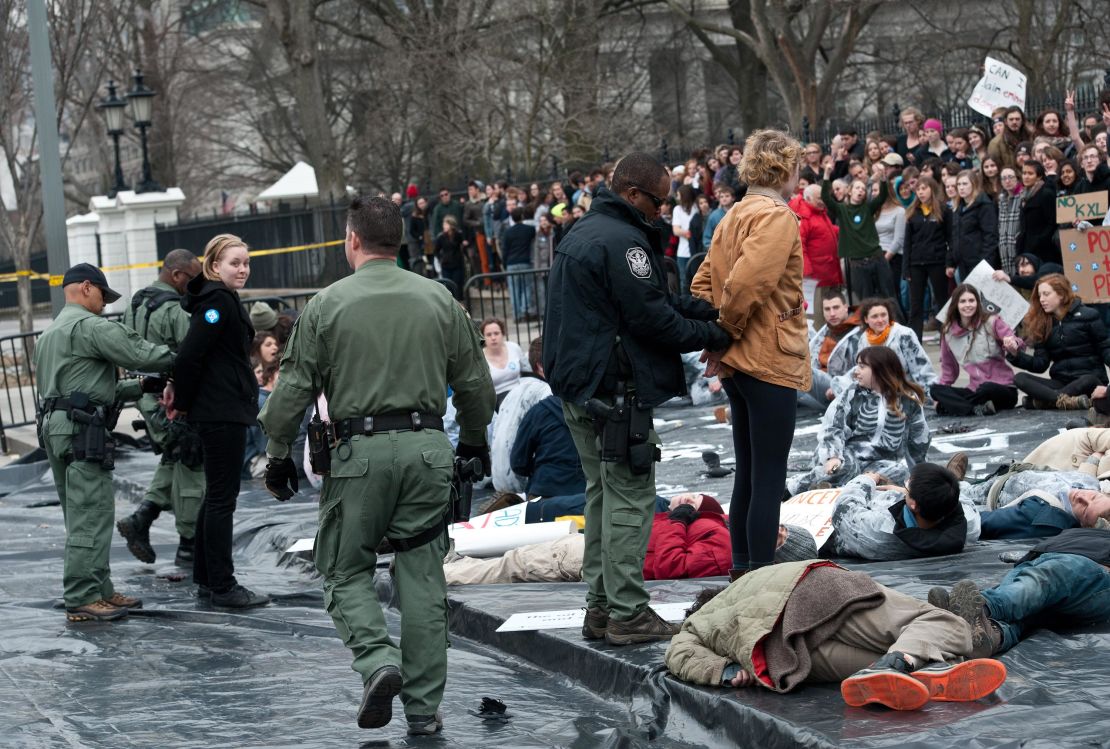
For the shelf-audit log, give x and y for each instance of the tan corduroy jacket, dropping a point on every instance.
(753, 275)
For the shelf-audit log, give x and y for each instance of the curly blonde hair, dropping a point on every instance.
(215, 248)
(770, 158)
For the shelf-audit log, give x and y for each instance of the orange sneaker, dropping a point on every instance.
(886, 682)
(962, 682)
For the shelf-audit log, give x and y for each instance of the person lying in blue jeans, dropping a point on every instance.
(1038, 503)
(1064, 580)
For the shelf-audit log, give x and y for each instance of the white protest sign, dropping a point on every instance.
(510, 517)
(493, 542)
(304, 544)
(999, 297)
(813, 511)
(1002, 85)
(570, 618)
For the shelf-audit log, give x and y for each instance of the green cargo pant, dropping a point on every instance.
(88, 511)
(175, 488)
(391, 485)
(619, 509)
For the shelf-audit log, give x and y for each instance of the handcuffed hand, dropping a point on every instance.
(152, 384)
(281, 478)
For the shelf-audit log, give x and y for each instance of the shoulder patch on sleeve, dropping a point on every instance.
(211, 316)
(638, 262)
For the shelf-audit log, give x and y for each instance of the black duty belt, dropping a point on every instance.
(63, 404)
(397, 422)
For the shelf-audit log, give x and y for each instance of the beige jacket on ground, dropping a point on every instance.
(1070, 450)
(753, 276)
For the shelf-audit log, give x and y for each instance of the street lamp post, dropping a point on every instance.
(112, 106)
(140, 97)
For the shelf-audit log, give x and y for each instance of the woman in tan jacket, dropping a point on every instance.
(753, 276)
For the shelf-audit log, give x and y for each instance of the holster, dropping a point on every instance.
(319, 445)
(183, 445)
(92, 443)
(624, 430)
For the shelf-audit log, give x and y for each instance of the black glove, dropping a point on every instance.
(467, 452)
(683, 514)
(152, 384)
(719, 338)
(281, 478)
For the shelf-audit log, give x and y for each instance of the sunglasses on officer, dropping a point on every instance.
(656, 201)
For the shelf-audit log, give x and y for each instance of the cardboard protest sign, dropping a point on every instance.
(1090, 206)
(999, 297)
(1087, 262)
(813, 511)
(572, 618)
(1001, 86)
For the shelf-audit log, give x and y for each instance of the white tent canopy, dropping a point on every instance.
(298, 182)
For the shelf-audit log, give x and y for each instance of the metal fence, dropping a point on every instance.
(492, 295)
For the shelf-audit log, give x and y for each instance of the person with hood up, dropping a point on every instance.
(973, 228)
(819, 243)
(214, 388)
(1030, 269)
(815, 622)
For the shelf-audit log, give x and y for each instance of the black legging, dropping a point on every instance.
(937, 278)
(762, 430)
(224, 446)
(1047, 390)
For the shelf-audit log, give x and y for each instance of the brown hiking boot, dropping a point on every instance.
(647, 626)
(595, 624)
(97, 611)
(1073, 402)
(966, 602)
(125, 602)
(957, 464)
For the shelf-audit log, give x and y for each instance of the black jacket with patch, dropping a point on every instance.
(606, 282)
(1077, 345)
(213, 379)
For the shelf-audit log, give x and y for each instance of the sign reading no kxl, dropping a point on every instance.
(1090, 206)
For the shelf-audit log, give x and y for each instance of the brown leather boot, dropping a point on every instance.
(957, 464)
(1073, 402)
(595, 624)
(125, 602)
(647, 626)
(97, 611)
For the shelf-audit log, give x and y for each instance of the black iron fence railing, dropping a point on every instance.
(516, 297)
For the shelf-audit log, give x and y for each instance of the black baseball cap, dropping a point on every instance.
(86, 272)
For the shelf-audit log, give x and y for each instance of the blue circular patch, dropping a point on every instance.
(212, 316)
(857, 219)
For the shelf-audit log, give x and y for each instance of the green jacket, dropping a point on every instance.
(80, 352)
(858, 236)
(382, 340)
(727, 629)
(166, 325)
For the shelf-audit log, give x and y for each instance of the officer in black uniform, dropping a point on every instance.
(612, 342)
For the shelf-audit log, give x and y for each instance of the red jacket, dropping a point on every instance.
(675, 550)
(819, 236)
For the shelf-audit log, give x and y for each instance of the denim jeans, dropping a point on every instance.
(1061, 588)
(520, 289)
(816, 397)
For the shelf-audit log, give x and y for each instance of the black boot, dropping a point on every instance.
(135, 529)
(184, 556)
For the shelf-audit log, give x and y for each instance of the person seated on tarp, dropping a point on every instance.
(781, 626)
(840, 321)
(688, 539)
(881, 522)
(529, 390)
(544, 452)
(1029, 503)
(1030, 268)
(1063, 580)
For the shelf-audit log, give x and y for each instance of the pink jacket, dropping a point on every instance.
(979, 352)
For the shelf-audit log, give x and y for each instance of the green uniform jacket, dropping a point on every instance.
(80, 351)
(858, 236)
(383, 340)
(166, 325)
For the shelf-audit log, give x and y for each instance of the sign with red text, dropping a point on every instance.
(1002, 85)
(1090, 206)
(1087, 262)
(813, 511)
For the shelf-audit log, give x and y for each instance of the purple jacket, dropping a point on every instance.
(981, 354)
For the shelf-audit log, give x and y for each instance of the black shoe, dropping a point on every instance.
(647, 626)
(239, 598)
(204, 593)
(135, 529)
(185, 555)
(595, 624)
(376, 709)
(425, 725)
(968, 603)
(940, 598)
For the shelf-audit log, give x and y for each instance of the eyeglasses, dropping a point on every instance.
(655, 200)
(1008, 176)
(813, 153)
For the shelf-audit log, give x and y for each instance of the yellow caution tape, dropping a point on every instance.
(57, 280)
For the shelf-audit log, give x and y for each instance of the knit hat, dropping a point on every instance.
(412, 191)
(708, 504)
(798, 546)
(263, 317)
(933, 124)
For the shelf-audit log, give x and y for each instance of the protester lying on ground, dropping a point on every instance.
(689, 539)
(877, 424)
(1069, 336)
(544, 452)
(1026, 502)
(1062, 581)
(1030, 269)
(531, 388)
(876, 520)
(840, 322)
(812, 622)
(973, 337)
(878, 329)
(1070, 450)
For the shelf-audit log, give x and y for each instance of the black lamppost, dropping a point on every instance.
(140, 97)
(112, 106)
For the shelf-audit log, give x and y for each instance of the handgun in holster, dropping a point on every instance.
(93, 442)
(462, 487)
(319, 445)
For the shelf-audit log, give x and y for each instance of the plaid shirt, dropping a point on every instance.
(1009, 220)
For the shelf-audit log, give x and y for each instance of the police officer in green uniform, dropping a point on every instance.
(383, 345)
(155, 313)
(76, 359)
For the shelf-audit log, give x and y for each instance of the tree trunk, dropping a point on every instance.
(751, 74)
(578, 66)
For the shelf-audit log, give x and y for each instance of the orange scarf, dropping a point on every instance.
(878, 339)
